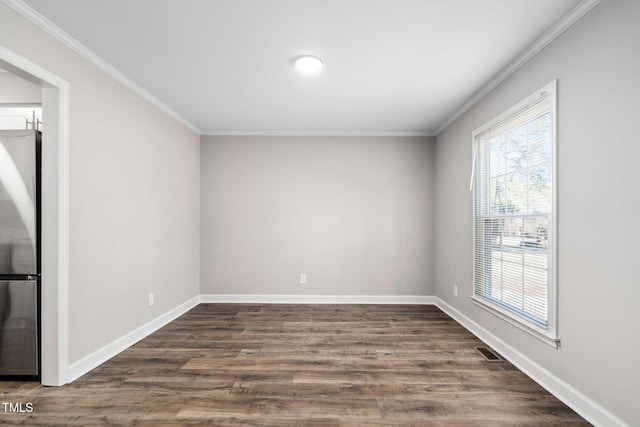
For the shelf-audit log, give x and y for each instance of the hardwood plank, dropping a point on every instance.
(298, 365)
(365, 377)
(289, 407)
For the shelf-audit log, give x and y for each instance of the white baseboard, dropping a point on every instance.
(98, 357)
(318, 299)
(587, 408)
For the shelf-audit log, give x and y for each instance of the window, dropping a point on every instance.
(514, 215)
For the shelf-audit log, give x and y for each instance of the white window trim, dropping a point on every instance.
(548, 334)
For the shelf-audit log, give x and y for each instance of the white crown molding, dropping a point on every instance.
(571, 18)
(587, 408)
(318, 299)
(87, 54)
(317, 133)
(563, 25)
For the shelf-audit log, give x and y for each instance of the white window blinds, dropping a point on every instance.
(513, 210)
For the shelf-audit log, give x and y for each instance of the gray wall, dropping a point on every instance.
(134, 197)
(353, 213)
(597, 63)
(356, 215)
(14, 89)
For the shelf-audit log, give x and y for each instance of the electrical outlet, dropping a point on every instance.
(303, 279)
(151, 300)
(455, 290)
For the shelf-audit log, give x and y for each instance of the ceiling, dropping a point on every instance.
(391, 66)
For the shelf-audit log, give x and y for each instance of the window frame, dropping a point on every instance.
(549, 333)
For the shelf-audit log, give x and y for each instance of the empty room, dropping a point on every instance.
(319, 212)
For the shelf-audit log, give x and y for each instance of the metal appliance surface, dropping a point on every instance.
(19, 252)
(18, 328)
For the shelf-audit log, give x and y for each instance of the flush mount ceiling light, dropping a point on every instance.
(308, 64)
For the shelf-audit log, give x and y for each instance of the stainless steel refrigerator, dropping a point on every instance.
(19, 252)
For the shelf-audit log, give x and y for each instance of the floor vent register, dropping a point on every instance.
(489, 355)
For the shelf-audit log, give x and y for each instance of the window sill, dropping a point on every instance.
(543, 335)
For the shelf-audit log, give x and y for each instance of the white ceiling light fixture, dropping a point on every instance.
(308, 64)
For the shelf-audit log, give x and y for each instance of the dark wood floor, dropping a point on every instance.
(298, 365)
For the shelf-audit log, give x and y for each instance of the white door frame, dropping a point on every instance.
(55, 215)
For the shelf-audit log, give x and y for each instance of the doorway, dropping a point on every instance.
(55, 214)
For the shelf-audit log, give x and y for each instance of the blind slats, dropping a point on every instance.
(512, 185)
(526, 114)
